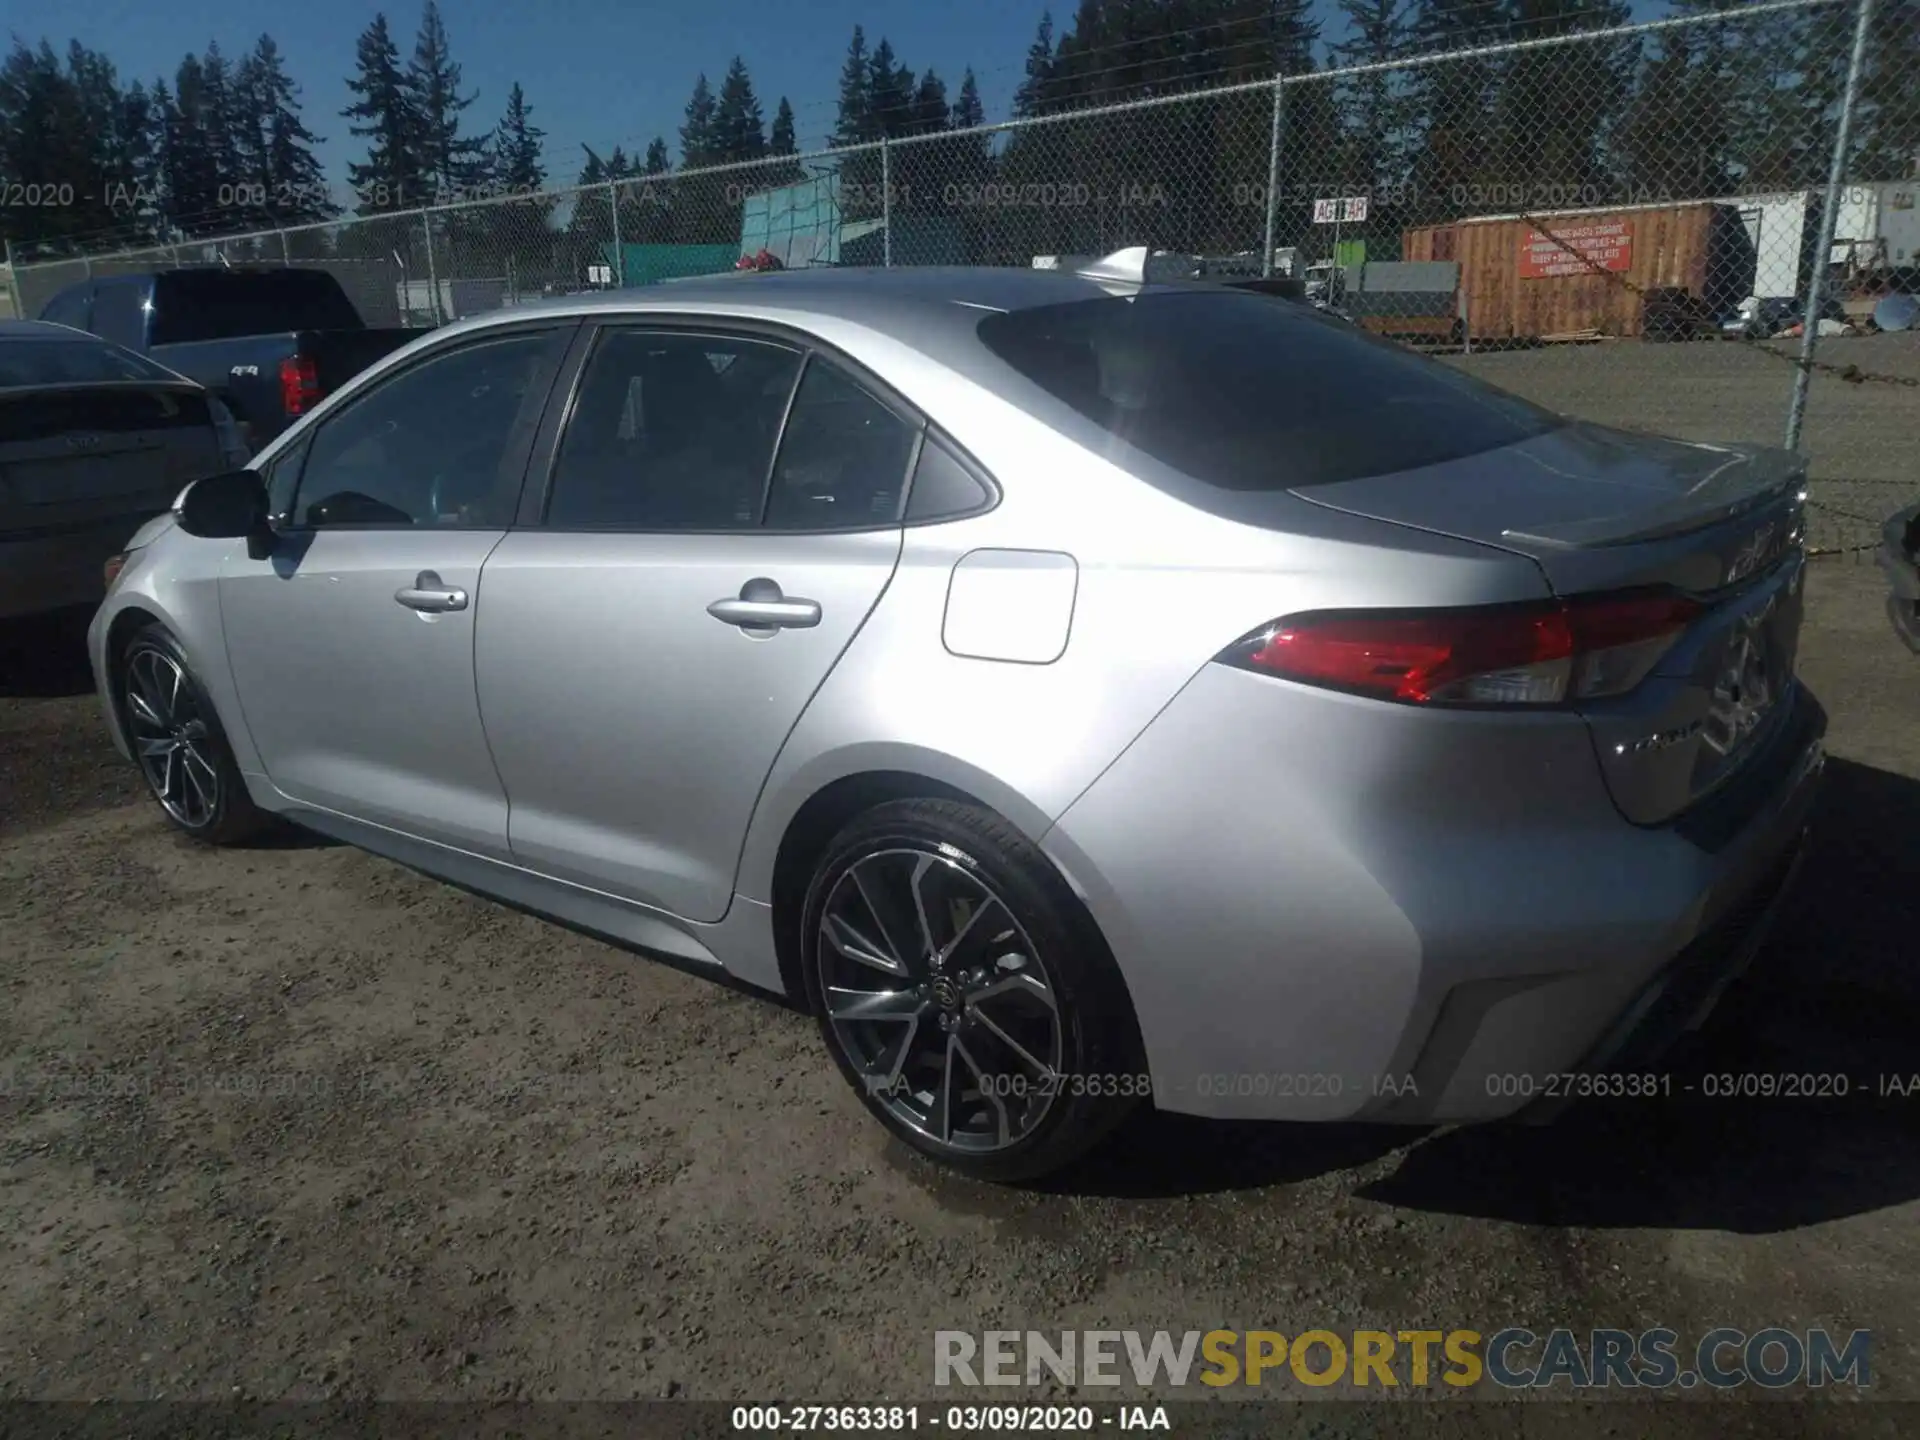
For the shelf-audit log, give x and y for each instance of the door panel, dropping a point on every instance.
(355, 701)
(633, 728)
(351, 644)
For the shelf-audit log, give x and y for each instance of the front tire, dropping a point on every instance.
(964, 993)
(176, 738)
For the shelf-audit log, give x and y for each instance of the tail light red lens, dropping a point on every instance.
(1537, 654)
(115, 564)
(299, 384)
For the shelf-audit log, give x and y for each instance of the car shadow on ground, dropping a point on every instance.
(1834, 998)
(44, 657)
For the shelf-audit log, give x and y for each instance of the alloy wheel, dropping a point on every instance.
(939, 1000)
(171, 738)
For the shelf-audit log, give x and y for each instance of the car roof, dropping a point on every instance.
(935, 307)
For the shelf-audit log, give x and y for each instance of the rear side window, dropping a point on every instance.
(843, 457)
(671, 431)
(1251, 393)
(219, 304)
(943, 487)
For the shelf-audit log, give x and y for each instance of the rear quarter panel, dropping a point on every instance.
(1159, 589)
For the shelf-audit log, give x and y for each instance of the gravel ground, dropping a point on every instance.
(295, 1122)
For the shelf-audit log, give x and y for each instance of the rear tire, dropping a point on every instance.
(176, 738)
(964, 993)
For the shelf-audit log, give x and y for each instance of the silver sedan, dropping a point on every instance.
(1076, 691)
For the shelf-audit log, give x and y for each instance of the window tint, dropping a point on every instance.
(671, 432)
(75, 361)
(427, 446)
(68, 308)
(117, 315)
(1247, 392)
(942, 485)
(843, 458)
(219, 304)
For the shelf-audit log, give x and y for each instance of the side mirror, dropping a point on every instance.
(228, 506)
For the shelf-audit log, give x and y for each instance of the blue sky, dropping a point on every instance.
(601, 71)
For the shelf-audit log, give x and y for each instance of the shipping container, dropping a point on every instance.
(1591, 275)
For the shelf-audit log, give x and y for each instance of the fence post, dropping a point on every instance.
(286, 250)
(1829, 220)
(886, 205)
(619, 250)
(1273, 174)
(433, 279)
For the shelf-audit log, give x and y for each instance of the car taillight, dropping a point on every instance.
(299, 384)
(1533, 654)
(115, 564)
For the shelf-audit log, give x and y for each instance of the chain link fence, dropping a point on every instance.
(1683, 225)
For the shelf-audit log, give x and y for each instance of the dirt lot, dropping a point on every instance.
(295, 1122)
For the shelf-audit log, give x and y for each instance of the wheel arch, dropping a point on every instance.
(812, 823)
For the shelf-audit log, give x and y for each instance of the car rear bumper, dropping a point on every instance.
(1350, 910)
(53, 571)
(1899, 557)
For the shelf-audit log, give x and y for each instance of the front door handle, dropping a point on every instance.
(761, 606)
(430, 595)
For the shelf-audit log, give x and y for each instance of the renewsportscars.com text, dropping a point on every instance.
(1513, 1358)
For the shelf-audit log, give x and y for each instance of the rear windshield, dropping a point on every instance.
(1250, 393)
(220, 304)
(72, 362)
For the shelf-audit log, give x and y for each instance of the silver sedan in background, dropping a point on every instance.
(94, 441)
(1076, 691)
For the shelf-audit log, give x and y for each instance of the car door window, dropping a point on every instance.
(843, 457)
(671, 431)
(430, 445)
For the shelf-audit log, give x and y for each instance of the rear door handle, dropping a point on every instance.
(761, 606)
(430, 594)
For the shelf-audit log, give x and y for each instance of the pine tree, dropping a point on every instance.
(1036, 89)
(968, 112)
(853, 122)
(389, 178)
(193, 175)
(1373, 104)
(697, 139)
(137, 196)
(890, 90)
(739, 133)
(657, 161)
(452, 165)
(295, 184)
(930, 111)
(223, 124)
(516, 148)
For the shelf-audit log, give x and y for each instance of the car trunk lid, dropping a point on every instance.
(1604, 510)
(75, 455)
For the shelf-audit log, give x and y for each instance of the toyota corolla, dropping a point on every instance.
(1072, 690)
